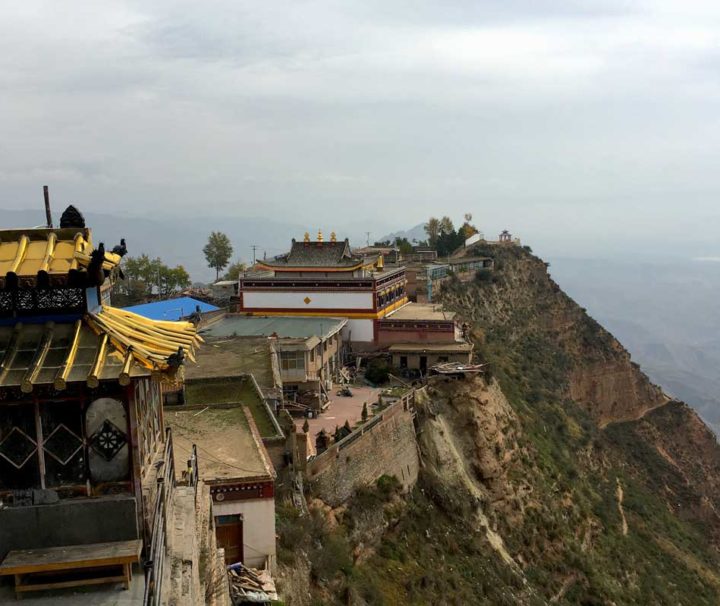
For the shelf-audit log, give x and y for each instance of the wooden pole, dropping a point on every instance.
(48, 215)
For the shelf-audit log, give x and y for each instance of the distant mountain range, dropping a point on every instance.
(414, 234)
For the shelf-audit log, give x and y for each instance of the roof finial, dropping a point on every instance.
(72, 217)
(320, 236)
(333, 237)
(307, 237)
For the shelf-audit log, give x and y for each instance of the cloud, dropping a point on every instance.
(597, 116)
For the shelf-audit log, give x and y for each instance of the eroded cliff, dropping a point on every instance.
(562, 476)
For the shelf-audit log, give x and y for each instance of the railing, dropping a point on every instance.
(194, 471)
(405, 402)
(155, 562)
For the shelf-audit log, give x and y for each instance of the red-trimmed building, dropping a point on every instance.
(326, 279)
(240, 475)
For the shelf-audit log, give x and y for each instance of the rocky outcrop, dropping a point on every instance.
(614, 391)
(524, 304)
(468, 440)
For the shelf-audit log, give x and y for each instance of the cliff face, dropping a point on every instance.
(628, 464)
(522, 304)
(563, 476)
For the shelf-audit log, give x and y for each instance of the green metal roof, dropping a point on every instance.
(299, 327)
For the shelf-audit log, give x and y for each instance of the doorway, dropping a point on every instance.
(229, 533)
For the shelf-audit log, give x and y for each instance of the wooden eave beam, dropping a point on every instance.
(60, 382)
(124, 377)
(10, 353)
(19, 254)
(93, 379)
(26, 385)
(49, 250)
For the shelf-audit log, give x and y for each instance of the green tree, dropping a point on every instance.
(432, 229)
(145, 276)
(218, 252)
(403, 245)
(171, 280)
(446, 226)
(377, 371)
(234, 271)
(448, 242)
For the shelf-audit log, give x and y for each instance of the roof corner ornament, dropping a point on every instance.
(95, 267)
(320, 236)
(72, 217)
(176, 360)
(120, 249)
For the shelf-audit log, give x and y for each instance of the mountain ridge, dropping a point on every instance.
(563, 476)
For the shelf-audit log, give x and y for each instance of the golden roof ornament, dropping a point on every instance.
(333, 237)
(320, 236)
(307, 237)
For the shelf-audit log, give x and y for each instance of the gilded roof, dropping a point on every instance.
(109, 345)
(45, 256)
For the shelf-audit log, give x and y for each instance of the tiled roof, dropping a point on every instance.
(301, 327)
(109, 345)
(317, 254)
(47, 257)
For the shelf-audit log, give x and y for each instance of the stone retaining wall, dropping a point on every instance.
(385, 445)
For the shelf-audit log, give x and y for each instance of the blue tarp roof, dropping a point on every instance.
(172, 309)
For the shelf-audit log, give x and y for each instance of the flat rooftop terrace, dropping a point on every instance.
(228, 446)
(421, 311)
(222, 357)
(342, 409)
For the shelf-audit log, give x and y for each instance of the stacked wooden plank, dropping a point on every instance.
(250, 586)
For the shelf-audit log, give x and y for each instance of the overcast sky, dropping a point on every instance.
(598, 117)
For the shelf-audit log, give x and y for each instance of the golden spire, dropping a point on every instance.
(307, 237)
(333, 237)
(320, 236)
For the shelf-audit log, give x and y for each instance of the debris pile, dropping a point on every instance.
(250, 586)
(456, 368)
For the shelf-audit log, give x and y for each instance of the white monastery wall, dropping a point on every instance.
(258, 527)
(318, 300)
(359, 331)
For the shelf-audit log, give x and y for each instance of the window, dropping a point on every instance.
(292, 360)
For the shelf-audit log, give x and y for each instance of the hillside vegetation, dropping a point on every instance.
(564, 476)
